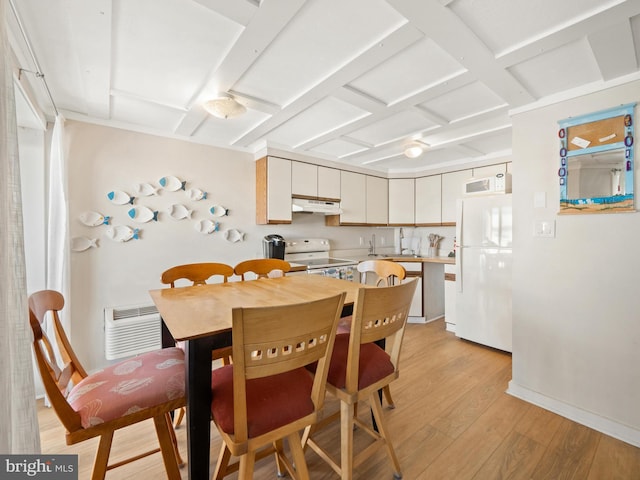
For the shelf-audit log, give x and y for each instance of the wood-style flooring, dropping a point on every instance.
(453, 420)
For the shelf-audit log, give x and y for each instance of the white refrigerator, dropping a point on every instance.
(483, 270)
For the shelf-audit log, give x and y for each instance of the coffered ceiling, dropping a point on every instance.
(350, 81)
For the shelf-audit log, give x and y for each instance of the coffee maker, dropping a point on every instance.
(273, 246)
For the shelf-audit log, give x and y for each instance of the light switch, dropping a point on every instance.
(545, 228)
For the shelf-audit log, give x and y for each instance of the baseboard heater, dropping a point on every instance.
(131, 330)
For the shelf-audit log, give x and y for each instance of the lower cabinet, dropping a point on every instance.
(450, 297)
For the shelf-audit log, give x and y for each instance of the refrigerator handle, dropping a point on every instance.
(458, 246)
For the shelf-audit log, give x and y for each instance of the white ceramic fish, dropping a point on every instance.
(172, 183)
(219, 211)
(93, 219)
(233, 235)
(143, 214)
(196, 194)
(80, 244)
(145, 189)
(120, 198)
(122, 233)
(179, 212)
(207, 226)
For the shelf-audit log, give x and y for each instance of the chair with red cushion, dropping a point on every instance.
(148, 386)
(267, 394)
(359, 368)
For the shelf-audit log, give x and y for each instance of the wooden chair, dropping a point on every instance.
(388, 273)
(198, 274)
(262, 267)
(120, 395)
(267, 394)
(359, 368)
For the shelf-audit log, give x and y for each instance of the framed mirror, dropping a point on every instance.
(597, 162)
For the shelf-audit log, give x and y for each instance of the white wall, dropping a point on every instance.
(101, 159)
(576, 326)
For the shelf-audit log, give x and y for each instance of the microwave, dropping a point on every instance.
(499, 183)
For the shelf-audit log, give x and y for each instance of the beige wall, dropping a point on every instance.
(576, 326)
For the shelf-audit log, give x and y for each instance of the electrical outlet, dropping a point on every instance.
(544, 228)
(361, 241)
(382, 241)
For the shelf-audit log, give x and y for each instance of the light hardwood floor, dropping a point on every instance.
(452, 421)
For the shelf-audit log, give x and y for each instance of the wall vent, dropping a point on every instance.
(131, 331)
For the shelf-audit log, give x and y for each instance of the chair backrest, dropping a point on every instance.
(386, 270)
(378, 313)
(55, 379)
(272, 340)
(262, 267)
(198, 273)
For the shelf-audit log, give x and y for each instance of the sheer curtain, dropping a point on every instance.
(19, 432)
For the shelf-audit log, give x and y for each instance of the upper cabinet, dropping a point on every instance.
(273, 190)
(377, 210)
(353, 200)
(490, 170)
(452, 188)
(401, 201)
(428, 201)
(315, 182)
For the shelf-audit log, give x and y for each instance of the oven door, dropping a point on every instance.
(348, 272)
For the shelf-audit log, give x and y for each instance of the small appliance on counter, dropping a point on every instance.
(273, 246)
(314, 253)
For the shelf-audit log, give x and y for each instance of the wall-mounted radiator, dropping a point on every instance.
(131, 331)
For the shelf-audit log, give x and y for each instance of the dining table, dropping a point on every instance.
(201, 317)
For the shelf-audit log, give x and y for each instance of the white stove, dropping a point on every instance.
(314, 254)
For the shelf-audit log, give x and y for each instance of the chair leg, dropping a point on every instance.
(278, 446)
(223, 462)
(102, 457)
(346, 440)
(387, 396)
(174, 439)
(376, 407)
(180, 417)
(302, 472)
(167, 447)
(247, 462)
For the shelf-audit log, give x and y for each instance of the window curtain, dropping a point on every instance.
(19, 432)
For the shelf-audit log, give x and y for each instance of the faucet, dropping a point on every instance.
(372, 245)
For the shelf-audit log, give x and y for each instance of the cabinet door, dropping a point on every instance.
(401, 201)
(304, 179)
(377, 200)
(273, 190)
(489, 170)
(452, 188)
(353, 190)
(329, 183)
(429, 200)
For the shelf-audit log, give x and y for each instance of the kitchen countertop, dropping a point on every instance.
(409, 258)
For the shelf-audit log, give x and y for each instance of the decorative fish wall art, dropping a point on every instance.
(232, 235)
(118, 197)
(219, 211)
(142, 214)
(172, 183)
(207, 226)
(80, 244)
(196, 194)
(122, 233)
(144, 189)
(93, 219)
(178, 211)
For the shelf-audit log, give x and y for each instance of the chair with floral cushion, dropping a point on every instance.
(262, 267)
(149, 386)
(360, 368)
(268, 395)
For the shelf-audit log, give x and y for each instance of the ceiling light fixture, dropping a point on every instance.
(415, 149)
(224, 106)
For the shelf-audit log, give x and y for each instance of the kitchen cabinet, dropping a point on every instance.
(428, 301)
(353, 198)
(489, 170)
(452, 188)
(329, 183)
(401, 201)
(273, 191)
(428, 209)
(377, 207)
(304, 180)
(450, 297)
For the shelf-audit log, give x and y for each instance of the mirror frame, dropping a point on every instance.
(602, 131)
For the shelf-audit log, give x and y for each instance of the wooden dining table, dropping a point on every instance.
(201, 317)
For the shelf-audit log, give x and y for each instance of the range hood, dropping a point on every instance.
(303, 205)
